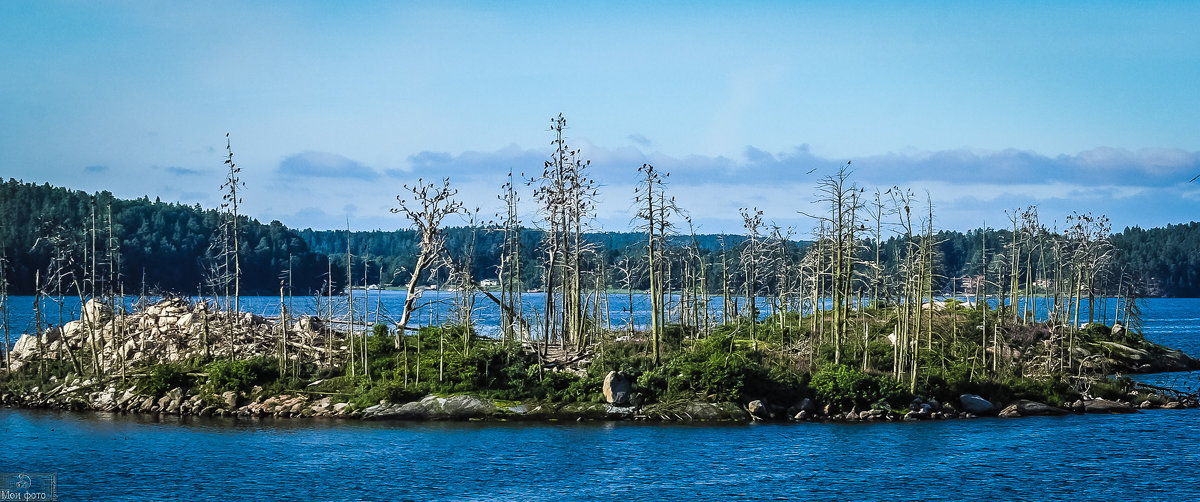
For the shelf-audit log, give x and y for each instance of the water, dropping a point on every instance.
(433, 307)
(1153, 455)
(437, 307)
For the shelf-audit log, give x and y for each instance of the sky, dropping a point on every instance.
(332, 107)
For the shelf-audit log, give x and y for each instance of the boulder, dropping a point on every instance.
(106, 399)
(322, 405)
(758, 410)
(231, 399)
(26, 346)
(1106, 406)
(96, 312)
(974, 404)
(617, 388)
(1010, 411)
(460, 407)
(1036, 409)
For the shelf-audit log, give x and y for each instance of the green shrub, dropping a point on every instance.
(846, 387)
(162, 378)
(1113, 388)
(367, 393)
(240, 374)
(1051, 391)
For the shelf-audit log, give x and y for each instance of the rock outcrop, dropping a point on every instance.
(1027, 408)
(171, 330)
(1106, 406)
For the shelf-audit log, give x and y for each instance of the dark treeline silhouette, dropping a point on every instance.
(162, 246)
(1169, 255)
(1167, 258)
(396, 251)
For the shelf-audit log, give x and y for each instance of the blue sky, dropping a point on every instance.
(1075, 106)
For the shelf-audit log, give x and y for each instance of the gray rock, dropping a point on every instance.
(976, 405)
(1035, 409)
(1010, 411)
(1106, 406)
(758, 410)
(96, 312)
(460, 407)
(617, 388)
(230, 398)
(618, 412)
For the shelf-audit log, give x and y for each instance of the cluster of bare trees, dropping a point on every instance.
(566, 198)
(819, 296)
(826, 292)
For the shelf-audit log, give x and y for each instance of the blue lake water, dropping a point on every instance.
(1153, 455)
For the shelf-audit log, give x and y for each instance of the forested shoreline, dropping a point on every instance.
(163, 247)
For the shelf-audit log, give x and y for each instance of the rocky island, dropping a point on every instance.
(180, 357)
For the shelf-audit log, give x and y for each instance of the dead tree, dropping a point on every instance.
(655, 211)
(232, 199)
(430, 204)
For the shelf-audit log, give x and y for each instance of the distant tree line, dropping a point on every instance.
(1167, 258)
(162, 248)
(152, 245)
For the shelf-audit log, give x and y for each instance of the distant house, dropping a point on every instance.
(489, 283)
(968, 285)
